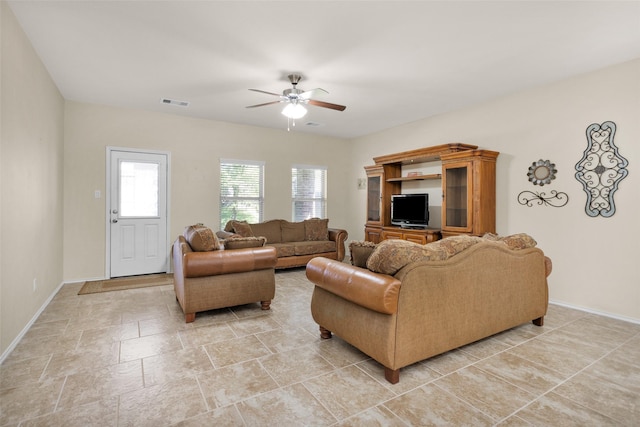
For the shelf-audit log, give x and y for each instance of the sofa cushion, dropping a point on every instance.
(316, 229)
(244, 242)
(283, 249)
(360, 251)
(313, 247)
(269, 229)
(292, 231)
(201, 238)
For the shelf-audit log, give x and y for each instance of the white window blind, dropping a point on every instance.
(308, 192)
(241, 191)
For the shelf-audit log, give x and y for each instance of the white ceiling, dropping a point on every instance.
(389, 62)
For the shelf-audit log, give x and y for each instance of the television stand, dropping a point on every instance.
(414, 227)
(420, 235)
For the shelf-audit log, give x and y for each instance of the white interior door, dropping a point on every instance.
(138, 213)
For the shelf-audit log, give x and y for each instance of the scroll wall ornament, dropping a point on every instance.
(556, 199)
(601, 169)
(540, 173)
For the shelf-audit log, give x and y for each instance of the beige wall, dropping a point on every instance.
(196, 147)
(30, 183)
(595, 259)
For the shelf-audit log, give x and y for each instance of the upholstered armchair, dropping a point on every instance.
(217, 278)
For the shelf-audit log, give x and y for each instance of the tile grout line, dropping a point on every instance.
(552, 389)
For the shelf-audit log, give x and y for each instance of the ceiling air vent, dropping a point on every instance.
(174, 102)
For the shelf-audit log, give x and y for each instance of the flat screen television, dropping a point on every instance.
(410, 210)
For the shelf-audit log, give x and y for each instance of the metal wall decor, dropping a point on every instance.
(542, 172)
(601, 169)
(556, 199)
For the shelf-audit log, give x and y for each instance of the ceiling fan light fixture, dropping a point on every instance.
(294, 111)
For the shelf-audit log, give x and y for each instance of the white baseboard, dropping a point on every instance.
(15, 342)
(599, 313)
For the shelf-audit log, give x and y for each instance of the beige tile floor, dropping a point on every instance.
(127, 358)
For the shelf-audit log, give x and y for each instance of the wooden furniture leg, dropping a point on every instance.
(189, 317)
(539, 321)
(266, 305)
(325, 333)
(392, 375)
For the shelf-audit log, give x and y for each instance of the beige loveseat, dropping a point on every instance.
(207, 276)
(432, 299)
(295, 242)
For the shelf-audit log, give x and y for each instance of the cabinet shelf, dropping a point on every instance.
(416, 177)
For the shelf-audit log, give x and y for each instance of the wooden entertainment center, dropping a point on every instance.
(468, 192)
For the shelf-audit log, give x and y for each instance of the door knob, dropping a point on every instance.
(114, 221)
(115, 211)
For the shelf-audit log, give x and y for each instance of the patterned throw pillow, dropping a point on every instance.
(391, 255)
(201, 238)
(453, 245)
(316, 229)
(514, 241)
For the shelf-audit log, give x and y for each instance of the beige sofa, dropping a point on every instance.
(435, 297)
(206, 276)
(296, 243)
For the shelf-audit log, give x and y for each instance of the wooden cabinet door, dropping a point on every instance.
(373, 234)
(416, 238)
(389, 234)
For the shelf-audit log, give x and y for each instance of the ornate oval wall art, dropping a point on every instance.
(542, 172)
(601, 169)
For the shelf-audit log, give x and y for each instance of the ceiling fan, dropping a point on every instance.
(296, 98)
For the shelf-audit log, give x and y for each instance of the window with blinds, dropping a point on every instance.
(308, 192)
(241, 191)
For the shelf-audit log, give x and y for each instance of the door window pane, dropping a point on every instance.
(138, 189)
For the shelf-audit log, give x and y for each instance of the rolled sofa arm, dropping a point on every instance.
(213, 263)
(374, 291)
(339, 236)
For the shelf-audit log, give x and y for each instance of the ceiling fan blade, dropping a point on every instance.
(264, 91)
(326, 105)
(262, 105)
(311, 93)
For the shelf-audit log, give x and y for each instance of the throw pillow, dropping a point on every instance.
(360, 251)
(455, 244)
(514, 241)
(316, 229)
(201, 238)
(242, 228)
(391, 255)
